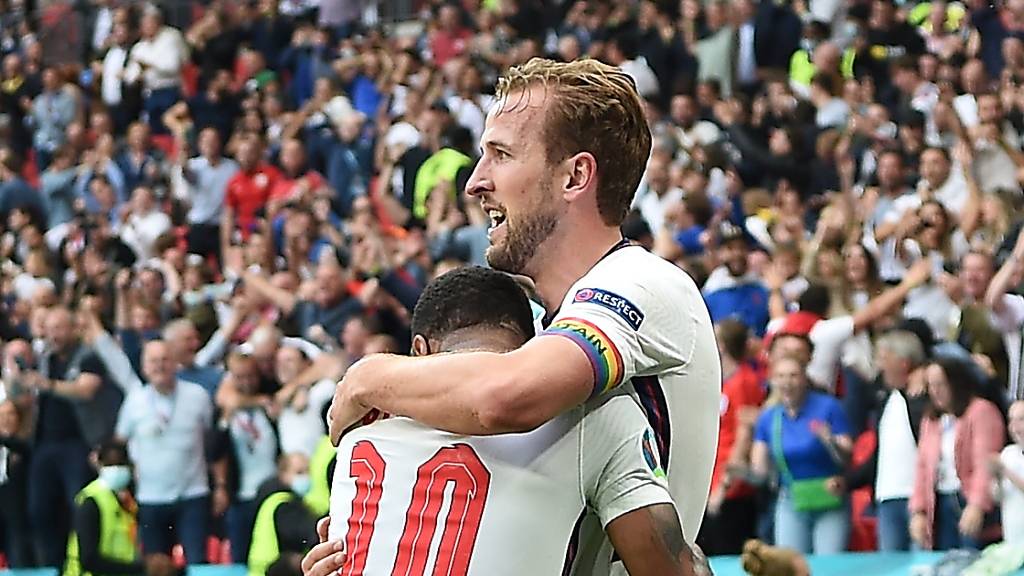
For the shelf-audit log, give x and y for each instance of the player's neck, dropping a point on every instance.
(480, 339)
(568, 258)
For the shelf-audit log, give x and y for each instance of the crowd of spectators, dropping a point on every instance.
(205, 220)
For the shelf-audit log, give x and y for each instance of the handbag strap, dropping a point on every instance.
(780, 458)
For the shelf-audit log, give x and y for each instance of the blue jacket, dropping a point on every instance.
(745, 300)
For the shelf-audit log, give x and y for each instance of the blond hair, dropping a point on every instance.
(595, 108)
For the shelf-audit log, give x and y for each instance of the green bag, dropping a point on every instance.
(809, 495)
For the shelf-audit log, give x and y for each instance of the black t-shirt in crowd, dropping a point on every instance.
(57, 418)
(885, 45)
(220, 114)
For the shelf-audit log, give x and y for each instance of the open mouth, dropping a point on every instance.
(497, 218)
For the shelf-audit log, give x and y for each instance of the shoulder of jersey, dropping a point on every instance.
(635, 265)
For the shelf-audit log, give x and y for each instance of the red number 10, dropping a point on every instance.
(458, 465)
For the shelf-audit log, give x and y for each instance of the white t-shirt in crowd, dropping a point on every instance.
(1009, 322)
(948, 482)
(1012, 496)
(166, 441)
(300, 431)
(897, 451)
(255, 444)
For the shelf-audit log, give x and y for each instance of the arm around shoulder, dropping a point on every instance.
(472, 392)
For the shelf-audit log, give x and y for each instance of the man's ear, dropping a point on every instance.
(582, 168)
(420, 346)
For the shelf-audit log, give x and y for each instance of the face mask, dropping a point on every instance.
(807, 44)
(116, 477)
(301, 484)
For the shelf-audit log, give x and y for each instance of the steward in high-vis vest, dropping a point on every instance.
(321, 465)
(283, 522)
(102, 540)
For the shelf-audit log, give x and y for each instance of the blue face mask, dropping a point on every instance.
(116, 478)
(301, 484)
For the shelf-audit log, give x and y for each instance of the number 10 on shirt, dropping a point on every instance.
(458, 465)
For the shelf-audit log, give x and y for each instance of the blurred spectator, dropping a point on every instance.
(284, 525)
(247, 192)
(215, 106)
(56, 185)
(103, 536)
(299, 423)
(14, 462)
(77, 409)
(52, 110)
(165, 424)
(951, 505)
(202, 184)
(326, 312)
(143, 222)
(17, 92)
(732, 290)
(1008, 471)
(15, 192)
(902, 402)
(246, 447)
(450, 38)
(140, 163)
(195, 364)
(122, 99)
(806, 437)
(656, 193)
(155, 63)
(1007, 313)
(732, 508)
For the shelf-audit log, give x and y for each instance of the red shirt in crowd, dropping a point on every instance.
(287, 188)
(447, 45)
(249, 191)
(742, 389)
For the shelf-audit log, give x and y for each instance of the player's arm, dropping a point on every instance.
(469, 393)
(650, 542)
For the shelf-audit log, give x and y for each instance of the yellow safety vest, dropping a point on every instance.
(802, 70)
(955, 14)
(117, 529)
(264, 549)
(318, 499)
(444, 165)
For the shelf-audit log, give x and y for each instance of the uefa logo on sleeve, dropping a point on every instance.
(584, 295)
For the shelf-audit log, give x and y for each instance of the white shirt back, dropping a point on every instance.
(416, 497)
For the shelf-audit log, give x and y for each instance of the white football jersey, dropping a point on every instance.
(644, 325)
(410, 500)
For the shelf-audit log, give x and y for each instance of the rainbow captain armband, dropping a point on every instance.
(600, 350)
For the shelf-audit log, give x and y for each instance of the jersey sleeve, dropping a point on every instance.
(624, 328)
(621, 469)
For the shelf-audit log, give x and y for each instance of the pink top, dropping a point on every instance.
(979, 434)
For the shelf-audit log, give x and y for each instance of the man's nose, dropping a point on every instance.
(478, 183)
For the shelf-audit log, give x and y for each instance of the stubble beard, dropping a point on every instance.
(522, 240)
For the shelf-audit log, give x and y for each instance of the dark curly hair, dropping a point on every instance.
(472, 296)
